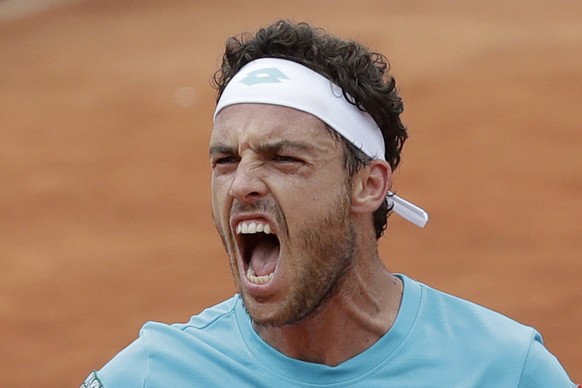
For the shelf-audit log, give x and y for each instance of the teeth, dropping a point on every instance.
(258, 279)
(253, 227)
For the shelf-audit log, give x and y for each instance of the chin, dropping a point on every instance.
(263, 314)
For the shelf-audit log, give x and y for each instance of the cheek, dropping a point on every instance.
(220, 206)
(317, 198)
(220, 216)
(308, 207)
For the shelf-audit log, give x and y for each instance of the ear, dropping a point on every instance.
(370, 186)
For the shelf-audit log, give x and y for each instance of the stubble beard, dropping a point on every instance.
(329, 246)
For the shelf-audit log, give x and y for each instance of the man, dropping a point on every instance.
(306, 135)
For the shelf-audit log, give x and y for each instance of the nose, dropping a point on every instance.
(247, 185)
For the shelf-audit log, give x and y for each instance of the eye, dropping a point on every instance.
(224, 160)
(286, 159)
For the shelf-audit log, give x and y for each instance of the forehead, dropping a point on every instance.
(248, 123)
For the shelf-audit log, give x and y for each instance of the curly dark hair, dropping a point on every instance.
(360, 73)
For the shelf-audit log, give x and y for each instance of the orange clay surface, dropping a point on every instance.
(105, 114)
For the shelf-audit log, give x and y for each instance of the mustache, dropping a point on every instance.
(259, 206)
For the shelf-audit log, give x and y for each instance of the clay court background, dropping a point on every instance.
(105, 113)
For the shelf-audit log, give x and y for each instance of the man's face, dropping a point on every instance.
(281, 203)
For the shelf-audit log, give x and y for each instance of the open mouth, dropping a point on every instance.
(260, 249)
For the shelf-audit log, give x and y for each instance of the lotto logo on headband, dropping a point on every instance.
(286, 83)
(270, 75)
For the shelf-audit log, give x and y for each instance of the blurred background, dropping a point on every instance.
(105, 115)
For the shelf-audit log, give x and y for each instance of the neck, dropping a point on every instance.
(361, 311)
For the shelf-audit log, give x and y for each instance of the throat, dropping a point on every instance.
(321, 337)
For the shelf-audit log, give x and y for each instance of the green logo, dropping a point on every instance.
(270, 75)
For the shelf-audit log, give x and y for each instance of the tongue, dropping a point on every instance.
(264, 257)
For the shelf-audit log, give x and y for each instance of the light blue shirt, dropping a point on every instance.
(437, 340)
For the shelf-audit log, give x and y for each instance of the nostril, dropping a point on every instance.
(242, 196)
(248, 189)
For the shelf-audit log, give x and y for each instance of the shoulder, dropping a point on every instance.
(210, 316)
(463, 317)
(479, 339)
(162, 346)
(542, 369)
(210, 328)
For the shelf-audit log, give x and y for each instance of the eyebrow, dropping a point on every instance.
(219, 149)
(283, 145)
(264, 148)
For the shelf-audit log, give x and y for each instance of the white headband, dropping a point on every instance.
(286, 83)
